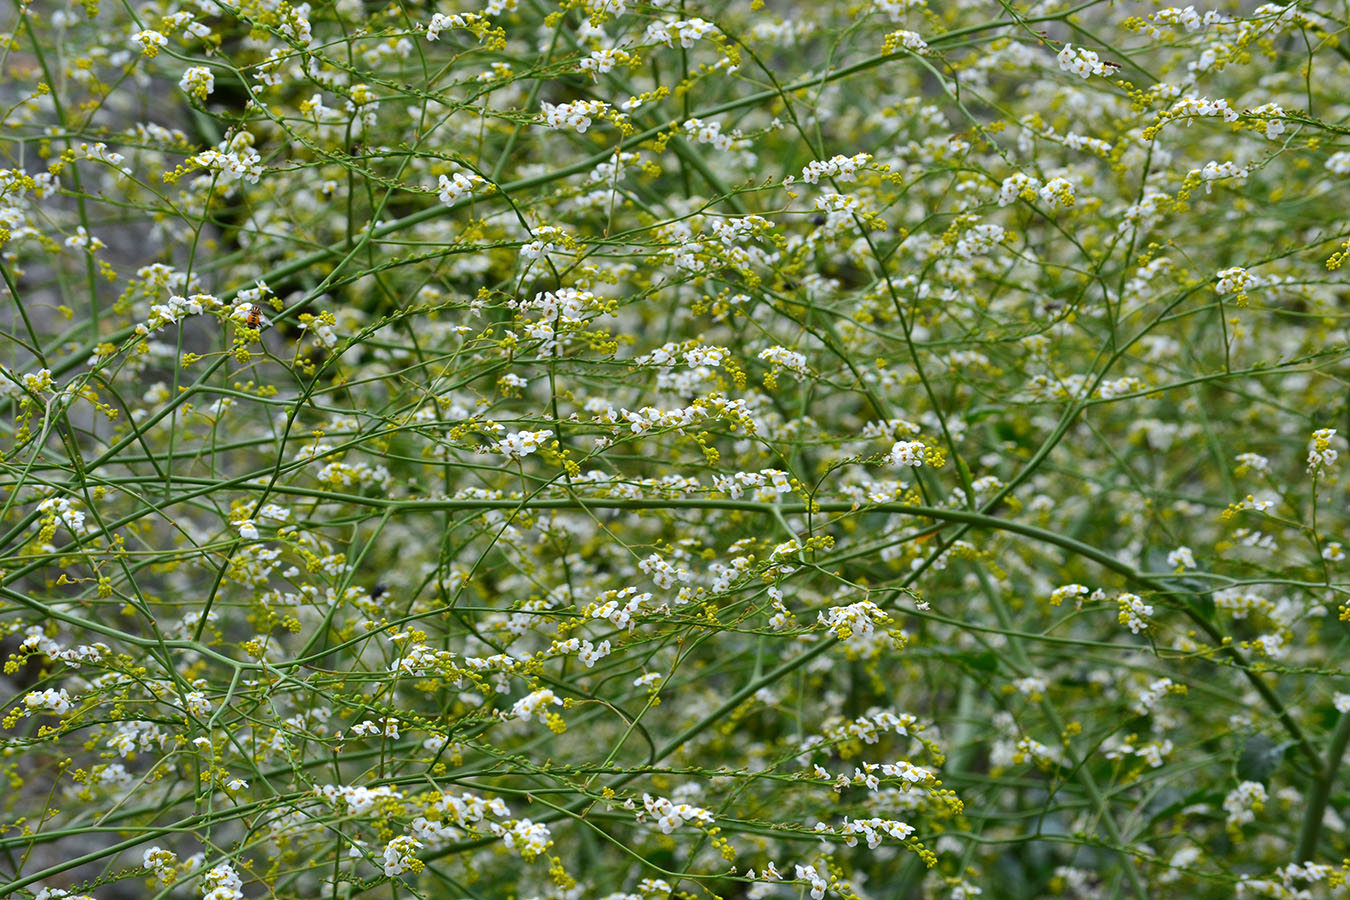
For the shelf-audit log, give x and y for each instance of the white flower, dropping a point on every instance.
(82, 238)
(1236, 280)
(783, 358)
(1080, 62)
(1181, 558)
(854, 620)
(1215, 171)
(601, 61)
(451, 188)
(1253, 461)
(1274, 125)
(359, 800)
(150, 42)
(57, 701)
(520, 444)
(670, 815)
(1203, 106)
(908, 40)
(871, 829)
(818, 884)
(685, 31)
(274, 512)
(1147, 698)
(398, 855)
(907, 453)
(535, 704)
(1060, 594)
(1243, 802)
(440, 21)
(574, 116)
(198, 82)
(1057, 192)
(222, 883)
(526, 837)
(845, 168)
(158, 858)
(1015, 186)
(702, 132)
(1134, 612)
(1320, 452)
(591, 654)
(196, 703)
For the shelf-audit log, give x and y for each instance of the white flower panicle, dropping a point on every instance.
(1016, 186)
(451, 188)
(873, 830)
(1321, 455)
(442, 21)
(685, 32)
(1244, 802)
(908, 453)
(855, 620)
(1134, 612)
(54, 700)
(669, 816)
(1082, 62)
(221, 882)
(399, 856)
(526, 837)
(1181, 558)
(197, 82)
(520, 444)
(1190, 107)
(150, 42)
(574, 116)
(905, 40)
(783, 358)
(845, 168)
(535, 705)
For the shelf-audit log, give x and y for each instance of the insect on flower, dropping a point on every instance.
(255, 317)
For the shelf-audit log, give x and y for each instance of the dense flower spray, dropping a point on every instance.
(625, 450)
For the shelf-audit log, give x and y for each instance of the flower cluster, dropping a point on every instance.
(674, 449)
(669, 816)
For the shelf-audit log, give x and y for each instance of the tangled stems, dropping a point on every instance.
(879, 449)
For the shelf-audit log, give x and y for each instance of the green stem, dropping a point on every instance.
(1315, 803)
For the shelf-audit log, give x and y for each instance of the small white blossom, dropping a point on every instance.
(907, 453)
(150, 42)
(520, 444)
(399, 855)
(198, 82)
(452, 188)
(575, 116)
(1181, 558)
(1080, 62)
(535, 704)
(1321, 455)
(1244, 802)
(1134, 612)
(50, 700)
(222, 883)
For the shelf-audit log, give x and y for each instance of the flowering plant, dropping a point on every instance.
(687, 450)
